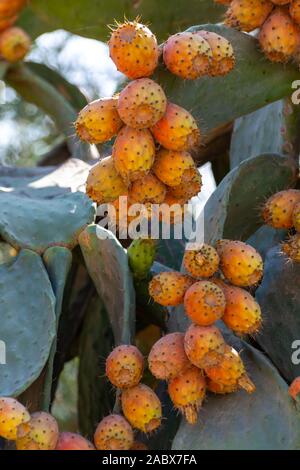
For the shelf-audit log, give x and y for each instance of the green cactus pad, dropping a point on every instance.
(38, 224)
(233, 209)
(107, 264)
(27, 306)
(278, 296)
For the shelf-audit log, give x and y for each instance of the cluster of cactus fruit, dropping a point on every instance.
(151, 161)
(282, 211)
(14, 41)
(278, 22)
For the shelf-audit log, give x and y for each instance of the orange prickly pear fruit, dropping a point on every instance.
(219, 389)
(104, 184)
(295, 11)
(292, 248)
(204, 345)
(72, 441)
(125, 366)
(201, 260)
(204, 303)
(168, 288)
(12, 413)
(137, 445)
(98, 121)
(7, 21)
(134, 49)
(230, 372)
(242, 313)
(279, 36)
(142, 407)
(187, 55)
(294, 389)
(281, 2)
(133, 153)
(14, 44)
(223, 59)
(11, 7)
(173, 168)
(240, 263)
(246, 15)
(278, 209)
(113, 433)
(149, 189)
(40, 433)
(177, 129)
(185, 191)
(296, 217)
(142, 103)
(167, 358)
(187, 392)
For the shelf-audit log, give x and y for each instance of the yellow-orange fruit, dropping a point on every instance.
(39, 433)
(230, 372)
(187, 55)
(142, 103)
(187, 392)
(278, 210)
(204, 345)
(201, 261)
(14, 44)
(12, 413)
(292, 248)
(219, 389)
(294, 388)
(223, 59)
(137, 445)
(204, 303)
(281, 2)
(134, 50)
(295, 10)
(125, 366)
(173, 168)
(113, 433)
(11, 7)
(98, 121)
(248, 15)
(296, 217)
(177, 129)
(168, 288)
(242, 312)
(142, 407)
(185, 191)
(7, 21)
(104, 184)
(149, 189)
(240, 263)
(167, 358)
(279, 36)
(133, 153)
(72, 441)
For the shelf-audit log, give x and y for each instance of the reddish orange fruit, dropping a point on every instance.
(113, 433)
(204, 303)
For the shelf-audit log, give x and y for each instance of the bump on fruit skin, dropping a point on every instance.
(133, 153)
(204, 345)
(113, 433)
(168, 288)
(240, 263)
(125, 366)
(296, 217)
(173, 168)
(248, 15)
(187, 55)
(185, 191)
(167, 358)
(292, 248)
(177, 129)
(40, 433)
(73, 441)
(142, 407)
(294, 389)
(295, 10)
(104, 184)
(219, 389)
(204, 303)
(12, 413)
(14, 44)
(278, 209)
(230, 372)
(201, 261)
(149, 189)
(141, 255)
(98, 121)
(134, 50)
(279, 36)
(142, 103)
(242, 313)
(187, 392)
(223, 59)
